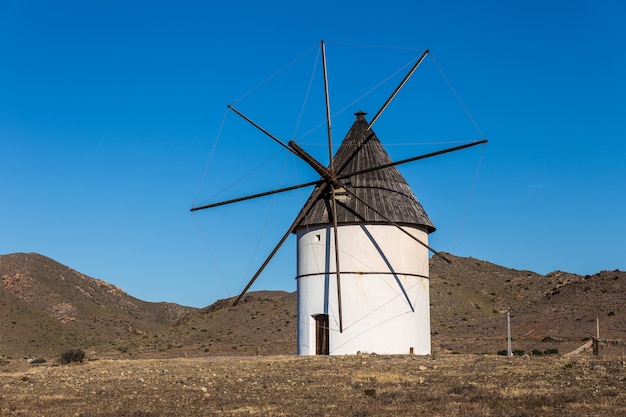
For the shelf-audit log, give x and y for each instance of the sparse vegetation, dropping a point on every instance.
(72, 355)
(550, 339)
(451, 382)
(359, 385)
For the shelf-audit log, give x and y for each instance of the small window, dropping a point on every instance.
(341, 195)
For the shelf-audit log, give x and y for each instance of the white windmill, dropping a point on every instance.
(362, 246)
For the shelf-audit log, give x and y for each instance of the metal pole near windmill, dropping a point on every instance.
(509, 351)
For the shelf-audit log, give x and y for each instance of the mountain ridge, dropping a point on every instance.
(37, 294)
(47, 307)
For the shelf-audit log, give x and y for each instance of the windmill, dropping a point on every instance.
(362, 244)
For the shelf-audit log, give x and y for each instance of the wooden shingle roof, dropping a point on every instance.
(384, 189)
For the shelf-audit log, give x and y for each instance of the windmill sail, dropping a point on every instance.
(362, 237)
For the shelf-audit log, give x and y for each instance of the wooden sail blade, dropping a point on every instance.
(395, 92)
(415, 158)
(252, 196)
(330, 172)
(318, 192)
(390, 266)
(247, 119)
(387, 219)
(336, 182)
(398, 88)
(326, 173)
(337, 267)
(327, 96)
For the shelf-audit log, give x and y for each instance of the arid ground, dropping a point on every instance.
(161, 359)
(360, 385)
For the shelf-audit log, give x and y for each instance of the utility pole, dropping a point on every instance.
(509, 351)
(596, 340)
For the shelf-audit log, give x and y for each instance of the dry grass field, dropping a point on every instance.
(159, 359)
(362, 385)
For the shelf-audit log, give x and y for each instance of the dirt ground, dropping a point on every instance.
(363, 385)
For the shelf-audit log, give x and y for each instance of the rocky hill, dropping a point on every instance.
(46, 307)
(470, 298)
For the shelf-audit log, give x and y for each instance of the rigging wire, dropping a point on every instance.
(443, 142)
(457, 97)
(469, 198)
(381, 306)
(361, 97)
(265, 224)
(480, 132)
(321, 124)
(308, 91)
(362, 45)
(265, 81)
(212, 256)
(202, 234)
(210, 159)
(237, 181)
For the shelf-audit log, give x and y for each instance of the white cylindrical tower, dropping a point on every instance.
(384, 295)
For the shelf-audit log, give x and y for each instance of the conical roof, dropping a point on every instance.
(384, 189)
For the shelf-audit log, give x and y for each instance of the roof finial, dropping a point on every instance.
(360, 115)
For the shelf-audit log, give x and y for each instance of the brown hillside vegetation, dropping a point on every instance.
(160, 360)
(470, 297)
(263, 322)
(47, 307)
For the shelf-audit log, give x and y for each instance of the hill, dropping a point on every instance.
(47, 307)
(264, 322)
(469, 301)
(470, 297)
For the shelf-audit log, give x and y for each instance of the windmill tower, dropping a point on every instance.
(379, 302)
(362, 245)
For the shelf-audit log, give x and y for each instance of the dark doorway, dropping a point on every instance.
(321, 334)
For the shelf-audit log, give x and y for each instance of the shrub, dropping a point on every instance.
(370, 392)
(72, 355)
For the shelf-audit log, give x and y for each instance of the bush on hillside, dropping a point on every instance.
(72, 355)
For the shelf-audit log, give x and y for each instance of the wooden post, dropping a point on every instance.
(509, 350)
(596, 340)
(411, 350)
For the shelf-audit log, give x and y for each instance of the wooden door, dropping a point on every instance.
(321, 334)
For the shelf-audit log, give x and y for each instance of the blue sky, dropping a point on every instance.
(113, 124)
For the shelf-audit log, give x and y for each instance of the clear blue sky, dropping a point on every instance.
(109, 112)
